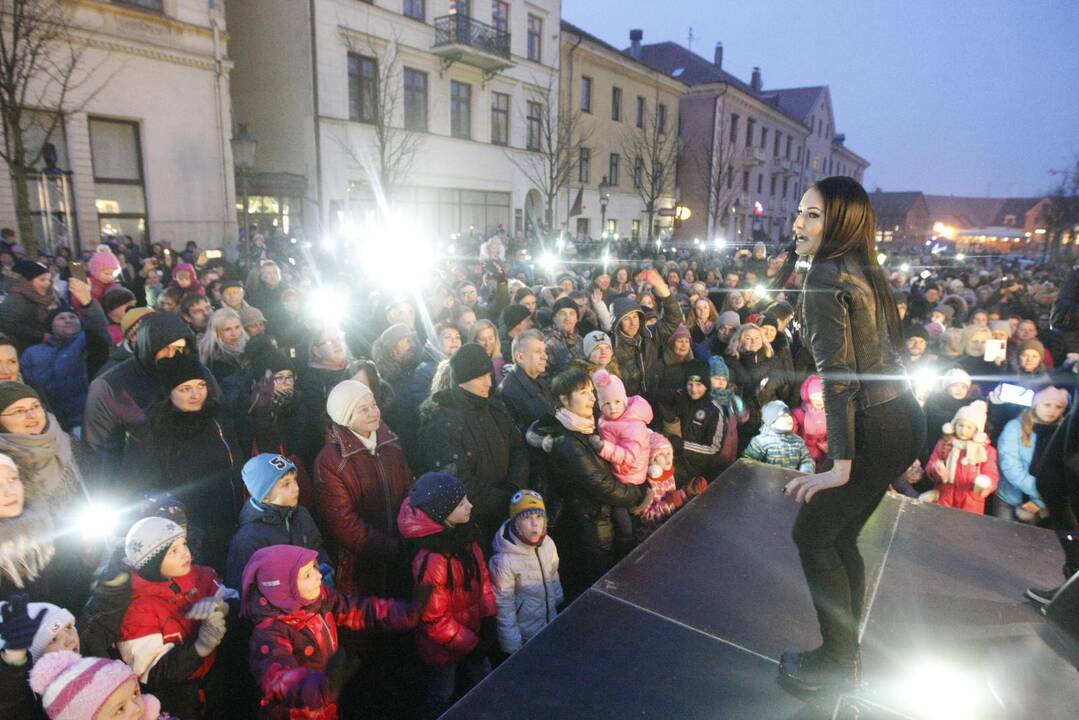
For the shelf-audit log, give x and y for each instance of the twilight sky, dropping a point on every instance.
(944, 96)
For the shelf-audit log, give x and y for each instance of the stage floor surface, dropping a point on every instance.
(690, 624)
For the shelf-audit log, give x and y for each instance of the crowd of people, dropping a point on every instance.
(301, 511)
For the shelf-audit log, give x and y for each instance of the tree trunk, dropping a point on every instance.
(651, 222)
(22, 207)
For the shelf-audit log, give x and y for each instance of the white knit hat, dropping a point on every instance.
(147, 538)
(343, 399)
(55, 619)
(6, 460)
(75, 688)
(956, 376)
(977, 412)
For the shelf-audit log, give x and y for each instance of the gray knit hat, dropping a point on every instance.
(148, 539)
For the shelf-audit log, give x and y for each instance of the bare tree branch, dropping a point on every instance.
(653, 152)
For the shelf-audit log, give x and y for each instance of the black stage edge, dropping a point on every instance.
(689, 624)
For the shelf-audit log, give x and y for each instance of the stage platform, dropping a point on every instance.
(690, 624)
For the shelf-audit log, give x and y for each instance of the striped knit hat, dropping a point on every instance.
(75, 688)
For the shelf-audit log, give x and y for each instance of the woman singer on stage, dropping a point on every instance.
(875, 427)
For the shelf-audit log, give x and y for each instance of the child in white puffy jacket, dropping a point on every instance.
(524, 572)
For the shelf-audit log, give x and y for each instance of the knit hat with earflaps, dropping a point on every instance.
(977, 412)
(146, 544)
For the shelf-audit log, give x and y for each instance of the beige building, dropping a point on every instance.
(619, 102)
(143, 146)
(317, 82)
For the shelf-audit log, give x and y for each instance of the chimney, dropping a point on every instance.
(718, 58)
(635, 37)
(755, 83)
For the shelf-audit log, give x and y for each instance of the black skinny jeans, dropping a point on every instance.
(1059, 487)
(887, 440)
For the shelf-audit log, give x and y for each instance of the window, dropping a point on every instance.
(461, 109)
(362, 88)
(764, 138)
(155, 5)
(661, 118)
(500, 118)
(582, 227)
(775, 150)
(638, 173)
(616, 104)
(816, 162)
(788, 153)
(586, 94)
(635, 230)
(500, 15)
(773, 190)
(116, 156)
(785, 183)
(612, 227)
(461, 7)
(760, 183)
(535, 38)
(612, 171)
(584, 165)
(415, 9)
(535, 113)
(734, 128)
(415, 100)
(750, 127)
(640, 111)
(730, 176)
(745, 181)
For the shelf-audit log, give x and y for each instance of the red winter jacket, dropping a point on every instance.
(449, 627)
(156, 619)
(290, 651)
(960, 494)
(809, 423)
(359, 494)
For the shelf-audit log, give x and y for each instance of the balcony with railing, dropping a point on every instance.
(782, 166)
(753, 156)
(459, 38)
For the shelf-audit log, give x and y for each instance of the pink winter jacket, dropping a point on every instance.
(626, 444)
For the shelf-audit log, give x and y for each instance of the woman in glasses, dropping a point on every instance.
(32, 437)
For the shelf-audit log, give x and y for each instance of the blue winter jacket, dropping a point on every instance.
(60, 367)
(1016, 482)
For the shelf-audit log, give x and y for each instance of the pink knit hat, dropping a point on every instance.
(658, 443)
(608, 387)
(1051, 393)
(73, 687)
(275, 570)
(977, 412)
(102, 260)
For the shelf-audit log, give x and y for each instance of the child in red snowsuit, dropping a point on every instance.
(810, 422)
(963, 466)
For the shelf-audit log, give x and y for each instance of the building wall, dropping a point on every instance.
(443, 162)
(603, 135)
(168, 73)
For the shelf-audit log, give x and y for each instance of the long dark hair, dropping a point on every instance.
(850, 228)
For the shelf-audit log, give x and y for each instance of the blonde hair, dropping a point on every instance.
(210, 345)
(736, 340)
(479, 326)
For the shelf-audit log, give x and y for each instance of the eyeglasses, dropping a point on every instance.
(289, 379)
(22, 413)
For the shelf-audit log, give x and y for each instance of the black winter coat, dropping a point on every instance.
(748, 371)
(638, 358)
(262, 525)
(17, 700)
(588, 491)
(475, 439)
(525, 399)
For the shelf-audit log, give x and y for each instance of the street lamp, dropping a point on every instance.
(604, 198)
(243, 157)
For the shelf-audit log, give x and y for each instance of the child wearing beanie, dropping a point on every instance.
(622, 439)
(666, 497)
(1021, 445)
(73, 687)
(457, 629)
(524, 572)
(272, 515)
(955, 390)
(28, 631)
(963, 466)
(176, 619)
(777, 444)
(294, 647)
(810, 421)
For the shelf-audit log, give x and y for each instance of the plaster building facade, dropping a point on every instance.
(318, 83)
(142, 148)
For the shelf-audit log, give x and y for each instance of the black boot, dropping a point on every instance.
(1070, 542)
(814, 672)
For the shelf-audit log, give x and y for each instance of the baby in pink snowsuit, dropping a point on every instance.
(624, 429)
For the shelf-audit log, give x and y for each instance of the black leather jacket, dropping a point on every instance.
(845, 332)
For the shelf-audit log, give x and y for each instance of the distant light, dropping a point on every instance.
(96, 521)
(960, 257)
(940, 689)
(560, 244)
(548, 262)
(696, 241)
(292, 240)
(905, 267)
(881, 257)
(720, 243)
(928, 242)
(327, 304)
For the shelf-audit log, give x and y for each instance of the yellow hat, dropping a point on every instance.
(526, 502)
(131, 317)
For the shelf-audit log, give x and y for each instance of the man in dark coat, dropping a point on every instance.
(636, 346)
(466, 433)
(524, 391)
(115, 422)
